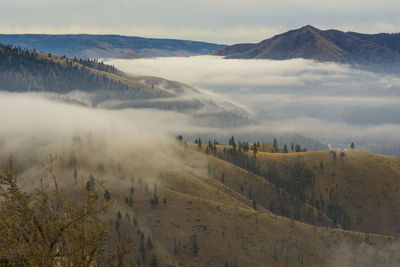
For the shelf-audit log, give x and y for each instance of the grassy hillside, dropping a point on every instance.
(364, 185)
(186, 215)
(356, 190)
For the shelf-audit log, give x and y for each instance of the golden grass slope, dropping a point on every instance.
(366, 185)
(192, 203)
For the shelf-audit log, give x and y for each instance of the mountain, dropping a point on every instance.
(107, 46)
(380, 51)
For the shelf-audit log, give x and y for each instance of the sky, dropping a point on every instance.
(221, 21)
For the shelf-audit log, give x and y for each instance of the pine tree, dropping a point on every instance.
(195, 245)
(149, 244)
(75, 176)
(298, 148)
(107, 195)
(154, 261)
(352, 145)
(275, 145)
(285, 149)
(91, 183)
(142, 248)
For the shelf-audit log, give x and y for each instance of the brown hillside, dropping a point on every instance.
(366, 185)
(357, 190)
(174, 202)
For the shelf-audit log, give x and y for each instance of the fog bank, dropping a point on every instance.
(333, 103)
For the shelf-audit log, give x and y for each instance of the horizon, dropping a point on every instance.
(216, 22)
(193, 40)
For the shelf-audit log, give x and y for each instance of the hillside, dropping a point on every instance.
(193, 219)
(356, 190)
(24, 70)
(107, 46)
(90, 82)
(377, 50)
(361, 186)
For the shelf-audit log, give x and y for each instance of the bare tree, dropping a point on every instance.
(45, 228)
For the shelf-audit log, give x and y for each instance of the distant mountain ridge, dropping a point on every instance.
(107, 46)
(381, 51)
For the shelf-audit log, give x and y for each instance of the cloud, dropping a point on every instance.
(365, 255)
(32, 126)
(215, 71)
(329, 102)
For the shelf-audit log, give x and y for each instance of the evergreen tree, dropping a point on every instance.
(275, 145)
(91, 183)
(154, 261)
(142, 248)
(285, 149)
(75, 176)
(298, 148)
(107, 195)
(149, 244)
(232, 143)
(352, 145)
(195, 245)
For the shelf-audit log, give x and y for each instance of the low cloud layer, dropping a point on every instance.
(366, 256)
(330, 102)
(32, 126)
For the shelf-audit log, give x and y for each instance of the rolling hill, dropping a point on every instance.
(27, 70)
(381, 51)
(89, 82)
(107, 46)
(193, 218)
(356, 190)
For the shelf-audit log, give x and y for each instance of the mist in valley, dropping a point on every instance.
(127, 138)
(134, 146)
(34, 125)
(332, 103)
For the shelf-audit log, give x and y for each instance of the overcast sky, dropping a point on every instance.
(222, 21)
